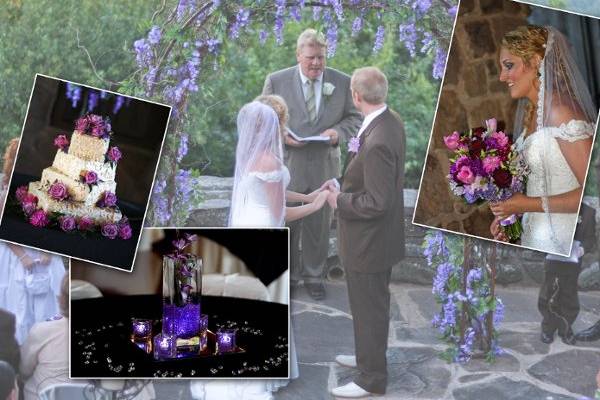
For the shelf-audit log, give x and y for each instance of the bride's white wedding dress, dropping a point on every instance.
(538, 231)
(255, 199)
(253, 205)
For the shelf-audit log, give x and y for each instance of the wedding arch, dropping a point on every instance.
(184, 44)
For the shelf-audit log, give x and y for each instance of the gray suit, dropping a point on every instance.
(314, 163)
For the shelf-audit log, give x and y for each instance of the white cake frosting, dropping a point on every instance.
(76, 209)
(78, 191)
(88, 148)
(74, 167)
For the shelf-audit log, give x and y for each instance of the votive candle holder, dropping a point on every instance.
(226, 340)
(141, 328)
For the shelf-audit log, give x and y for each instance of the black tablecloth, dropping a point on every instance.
(93, 247)
(100, 346)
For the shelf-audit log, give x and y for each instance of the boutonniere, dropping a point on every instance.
(328, 89)
(354, 145)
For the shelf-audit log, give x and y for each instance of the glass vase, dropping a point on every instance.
(182, 294)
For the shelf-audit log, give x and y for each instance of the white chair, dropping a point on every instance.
(234, 285)
(83, 290)
(70, 391)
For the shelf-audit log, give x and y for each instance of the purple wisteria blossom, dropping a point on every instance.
(379, 38)
(154, 35)
(73, 93)
(262, 36)
(408, 36)
(332, 39)
(93, 99)
(357, 25)
(439, 63)
(242, 19)
(183, 147)
(421, 6)
(119, 101)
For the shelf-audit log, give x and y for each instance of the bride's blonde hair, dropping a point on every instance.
(526, 42)
(278, 104)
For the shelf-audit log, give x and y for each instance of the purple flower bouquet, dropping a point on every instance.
(486, 167)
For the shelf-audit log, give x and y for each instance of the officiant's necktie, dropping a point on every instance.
(311, 104)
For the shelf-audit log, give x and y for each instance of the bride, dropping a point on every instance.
(261, 178)
(555, 123)
(258, 200)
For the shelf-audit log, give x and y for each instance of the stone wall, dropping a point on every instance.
(516, 266)
(471, 93)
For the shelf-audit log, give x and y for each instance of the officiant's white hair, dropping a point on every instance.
(371, 84)
(310, 37)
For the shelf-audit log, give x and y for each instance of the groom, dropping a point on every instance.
(370, 210)
(319, 103)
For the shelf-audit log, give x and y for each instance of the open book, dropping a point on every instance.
(316, 138)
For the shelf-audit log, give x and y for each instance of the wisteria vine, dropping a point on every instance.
(470, 311)
(184, 44)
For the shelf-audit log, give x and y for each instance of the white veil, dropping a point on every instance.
(260, 152)
(561, 87)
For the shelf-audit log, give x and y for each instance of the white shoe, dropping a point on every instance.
(346, 361)
(350, 390)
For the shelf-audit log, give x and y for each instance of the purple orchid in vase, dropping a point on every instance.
(182, 292)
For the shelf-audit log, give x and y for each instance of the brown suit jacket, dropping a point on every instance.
(371, 205)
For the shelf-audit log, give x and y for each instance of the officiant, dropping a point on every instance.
(320, 104)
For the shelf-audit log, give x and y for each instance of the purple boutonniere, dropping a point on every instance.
(354, 145)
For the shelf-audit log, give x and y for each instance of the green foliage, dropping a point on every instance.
(41, 37)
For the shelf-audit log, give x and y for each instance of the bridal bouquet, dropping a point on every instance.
(486, 167)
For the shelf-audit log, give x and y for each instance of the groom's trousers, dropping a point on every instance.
(369, 296)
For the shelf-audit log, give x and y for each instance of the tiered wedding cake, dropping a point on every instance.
(80, 184)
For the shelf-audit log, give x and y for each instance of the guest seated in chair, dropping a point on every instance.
(9, 390)
(45, 353)
(9, 348)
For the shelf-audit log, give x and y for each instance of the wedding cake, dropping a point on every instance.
(80, 185)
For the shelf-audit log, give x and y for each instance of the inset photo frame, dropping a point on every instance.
(200, 303)
(514, 128)
(83, 172)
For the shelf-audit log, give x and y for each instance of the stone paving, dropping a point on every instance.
(529, 369)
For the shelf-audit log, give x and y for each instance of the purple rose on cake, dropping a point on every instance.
(114, 154)
(109, 199)
(90, 178)
(67, 223)
(58, 191)
(21, 192)
(82, 124)
(61, 142)
(94, 125)
(125, 231)
(29, 204)
(39, 218)
(85, 224)
(110, 230)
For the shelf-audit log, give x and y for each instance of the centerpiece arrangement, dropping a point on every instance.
(77, 193)
(184, 329)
